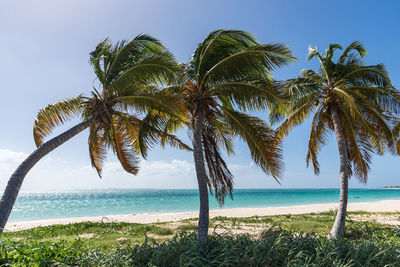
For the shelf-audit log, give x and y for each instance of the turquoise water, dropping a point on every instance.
(36, 206)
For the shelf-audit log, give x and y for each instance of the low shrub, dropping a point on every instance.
(273, 248)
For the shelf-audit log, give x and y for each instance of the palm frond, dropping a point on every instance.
(331, 50)
(355, 112)
(156, 103)
(396, 134)
(222, 134)
(156, 69)
(300, 87)
(97, 147)
(318, 136)
(380, 123)
(217, 46)
(358, 147)
(264, 147)
(251, 64)
(313, 52)
(124, 150)
(386, 98)
(128, 53)
(250, 96)
(144, 134)
(219, 177)
(129, 126)
(55, 115)
(357, 46)
(171, 126)
(298, 113)
(97, 58)
(367, 76)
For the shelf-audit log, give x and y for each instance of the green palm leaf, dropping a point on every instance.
(127, 54)
(318, 136)
(250, 96)
(356, 46)
(219, 177)
(251, 64)
(156, 69)
(219, 45)
(264, 148)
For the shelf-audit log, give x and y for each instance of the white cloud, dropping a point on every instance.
(10, 157)
(56, 174)
(9, 160)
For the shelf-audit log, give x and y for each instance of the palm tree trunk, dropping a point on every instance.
(14, 184)
(198, 155)
(338, 227)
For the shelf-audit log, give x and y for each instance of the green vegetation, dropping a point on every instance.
(282, 240)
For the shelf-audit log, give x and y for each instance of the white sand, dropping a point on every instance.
(378, 206)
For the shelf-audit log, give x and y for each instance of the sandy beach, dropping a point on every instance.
(378, 206)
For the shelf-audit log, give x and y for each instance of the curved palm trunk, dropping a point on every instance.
(199, 163)
(338, 227)
(14, 184)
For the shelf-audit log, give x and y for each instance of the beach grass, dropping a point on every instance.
(280, 239)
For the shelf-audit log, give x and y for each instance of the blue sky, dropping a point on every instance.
(44, 53)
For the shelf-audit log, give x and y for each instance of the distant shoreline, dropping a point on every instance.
(375, 206)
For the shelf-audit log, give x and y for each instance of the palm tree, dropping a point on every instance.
(353, 100)
(129, 115)
(229, 74)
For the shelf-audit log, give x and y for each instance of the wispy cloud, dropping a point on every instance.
(55, 174)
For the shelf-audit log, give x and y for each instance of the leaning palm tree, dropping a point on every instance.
(350, 99)
(129, 115)
(229, 74)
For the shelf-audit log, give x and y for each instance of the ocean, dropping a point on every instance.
(36, 206)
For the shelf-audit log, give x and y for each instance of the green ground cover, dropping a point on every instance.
(283, 240)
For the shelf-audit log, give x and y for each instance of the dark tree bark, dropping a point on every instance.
(338, 227)
(199, 163)
(15, 182)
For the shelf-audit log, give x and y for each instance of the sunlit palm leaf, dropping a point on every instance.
(125, 152)
(157, 103)
(367, 76)
(264, 148)
(128, 54)
(55, 115)
(250, 96)
(251, 64)
(156, 69)
(97, 147)
(219, 45)
(359, 148)
(219, 177)
(318, 136)
(299, 112)
(144, 134)
(356, 46)
(98, 56)
(222, 134)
